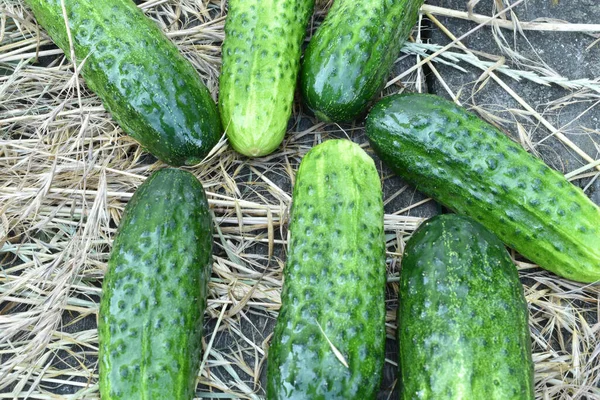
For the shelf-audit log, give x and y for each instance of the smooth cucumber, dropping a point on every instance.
(151, 90)
(476, 170)
(351, 54)
(261, 57)
(154, 293)
(334, 281)
(462, 316)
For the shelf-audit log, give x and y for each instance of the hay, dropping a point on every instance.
(67, 172)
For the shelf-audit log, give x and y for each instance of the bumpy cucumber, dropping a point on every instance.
(154, 293)
(351, 54)
(462, 316)
(476, 170)
(261, 57)
(154, 93)
(334, 281)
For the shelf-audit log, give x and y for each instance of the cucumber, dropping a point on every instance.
(350, 56)
(334, 281)
(261, 57)
(462, 316)
(151, 90)
(476, 170)
(154, 293)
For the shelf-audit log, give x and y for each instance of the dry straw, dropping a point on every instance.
(67, 172)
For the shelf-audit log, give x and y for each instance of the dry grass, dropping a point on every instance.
(67, 172)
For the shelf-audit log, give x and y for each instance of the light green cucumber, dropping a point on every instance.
(261, 56)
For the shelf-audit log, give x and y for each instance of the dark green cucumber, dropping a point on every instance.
(462, 316)
(261, 57)
(154, 293)
(150, 89)
(476, 170)
(351, 54)
(333, 294)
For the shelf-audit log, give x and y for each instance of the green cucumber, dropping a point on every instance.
(261, 58)
(150, 324)
(150, 89)
(333, 294)
(476, 170)
(350, 56)
(462, 316)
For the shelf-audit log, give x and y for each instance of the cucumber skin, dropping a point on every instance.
(261, 60)
(151, 90)
(351, 54)
(150, 324)
(336, 275)
(462, 316)
(476, 170)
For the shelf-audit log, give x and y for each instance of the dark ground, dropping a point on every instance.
(564, 52)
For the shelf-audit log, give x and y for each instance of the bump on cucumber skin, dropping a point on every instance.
(261, 60)
(335, 276)
(462, 316)
(150, 323)
(150, 89)
(476, 170)
(351, 54)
